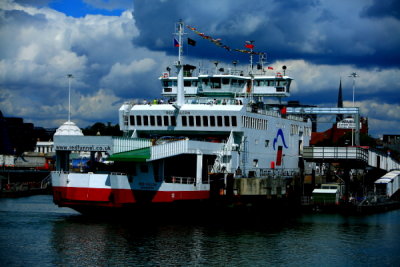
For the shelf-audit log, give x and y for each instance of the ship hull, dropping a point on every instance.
(88, 191)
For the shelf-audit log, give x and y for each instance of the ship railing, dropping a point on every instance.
(180, 180)
(268, 172)
(263, 111)
(211, 101)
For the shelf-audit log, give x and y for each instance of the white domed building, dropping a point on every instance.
(69, 128)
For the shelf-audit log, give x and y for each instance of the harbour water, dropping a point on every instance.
(34, 232)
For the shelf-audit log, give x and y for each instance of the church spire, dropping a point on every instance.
(340, 101)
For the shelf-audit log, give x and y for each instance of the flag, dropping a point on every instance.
(270, 68)
(176, 44)
(191, 42)
(249, 45)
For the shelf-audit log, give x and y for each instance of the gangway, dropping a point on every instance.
(353, 156)
(354, 111)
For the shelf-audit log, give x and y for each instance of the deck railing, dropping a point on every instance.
(356, 153)
(180, 180)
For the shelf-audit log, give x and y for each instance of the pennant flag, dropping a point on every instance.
(176, 44)
(217, 42)
(191, 42)
(270, 68)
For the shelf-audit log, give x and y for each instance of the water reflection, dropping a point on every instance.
(35, 232)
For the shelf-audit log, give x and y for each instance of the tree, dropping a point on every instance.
(100, 128)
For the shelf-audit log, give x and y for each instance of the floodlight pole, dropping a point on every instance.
(353, 75)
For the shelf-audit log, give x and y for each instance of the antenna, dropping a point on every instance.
(69, 76)
(216, 66)
(235, 62)
(250, 45)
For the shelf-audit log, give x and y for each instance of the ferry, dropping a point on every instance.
(210, 136)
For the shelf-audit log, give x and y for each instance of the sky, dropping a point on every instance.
(117, 49)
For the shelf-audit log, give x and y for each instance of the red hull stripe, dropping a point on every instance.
(111, 197)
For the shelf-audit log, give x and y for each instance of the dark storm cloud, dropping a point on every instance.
(38, 3)
(321, 32)
(383, 9)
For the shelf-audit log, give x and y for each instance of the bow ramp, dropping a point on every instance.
(170, 149)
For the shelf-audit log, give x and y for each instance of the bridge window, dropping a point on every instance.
(198, 120)
(146, 120)
(234, 121)
(219, 121)
(152, 120)
(205, 121)
(173, 121)
(166, 121)
(216, 83)
(225, 81)
(132, 120)
(212, 121)
(139, 120)
(226, 121)
(187, 83)
(184, 121)
(191, 121)
(159, 121)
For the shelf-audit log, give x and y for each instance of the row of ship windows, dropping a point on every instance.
(255, 123)
(296, 129)
(216, 83)
(204, 121)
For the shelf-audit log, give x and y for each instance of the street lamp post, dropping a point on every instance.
(70, 76)
(353, 75)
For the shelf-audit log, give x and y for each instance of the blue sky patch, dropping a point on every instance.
(78, 9)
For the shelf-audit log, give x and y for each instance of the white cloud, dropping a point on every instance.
(44, 45)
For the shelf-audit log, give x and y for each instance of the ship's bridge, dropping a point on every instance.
(227, 83)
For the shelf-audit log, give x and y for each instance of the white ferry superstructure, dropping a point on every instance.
(212, 135)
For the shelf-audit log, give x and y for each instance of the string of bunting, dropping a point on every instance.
(218, 43)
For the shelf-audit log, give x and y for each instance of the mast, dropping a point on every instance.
(250, 45)
(180, 99)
